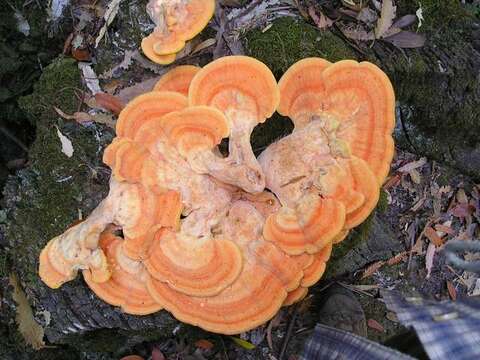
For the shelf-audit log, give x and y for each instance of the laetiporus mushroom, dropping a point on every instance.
(223, 242)
(176, 21)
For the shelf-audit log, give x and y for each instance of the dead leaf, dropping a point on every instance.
(109, 102)
(157, 354)
(367, 16)
(407, 40)
(106, 119)
(415, 176)
(67, 147)
(127, 94)
(204, 44)
(110, 13)
(82, 117)
(397, 258)
(63, 115)
(451, 290)
(356, 5)
(204, 344)
(243, 343)
(321, 21)
(404, 21)
(371, 269)
(461, 196)
(419, 14)
(375, 325)
(385, 21)
(444, 229)
(392, 182)
(90, 78)
(432, 235)
(413, 165)
(68, 44)
(429, 258)
(462, 210)
(81, 54)
(31, 331)
(358, 33)
(392, 317)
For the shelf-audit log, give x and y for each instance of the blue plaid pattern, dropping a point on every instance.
(447, 329)
(330, 343)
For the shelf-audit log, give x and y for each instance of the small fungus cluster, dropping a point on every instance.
(176, 21)
(222, 242)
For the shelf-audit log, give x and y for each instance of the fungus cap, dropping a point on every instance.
(308, 228)
(253, 299)
(146, 108)
(193, 266)
(236, 84)
(176, 22)
(178, 79)
(359, 95)
(126, 287)
(195, 129)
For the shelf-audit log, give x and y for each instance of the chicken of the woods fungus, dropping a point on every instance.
(176, 21)
(222, 242)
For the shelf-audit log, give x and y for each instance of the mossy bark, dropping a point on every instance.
(437, 86)
(44, 199)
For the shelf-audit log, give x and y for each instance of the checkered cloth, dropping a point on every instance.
(330, 343)
(447, 329)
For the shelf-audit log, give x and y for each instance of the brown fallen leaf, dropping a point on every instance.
(367, 16)
(412, 165)
(81, 54)
(415, 176)
(392, 317)
(432, 235)
(355, 5)
(462, 210)
(109, 102)
(371, 269)
(461, 196)
(375, 325)
(321, 21)
(204, 344)
(444, 229)
(397, 258)
(392, 181)
(203, 45)
(429, 258)
(358, 33)
(451, 290)
(385, 21)
(405, 21)
(406, 40)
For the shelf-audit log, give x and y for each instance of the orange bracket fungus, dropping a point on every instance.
(246, 91)
(176, 21)
(223, 242)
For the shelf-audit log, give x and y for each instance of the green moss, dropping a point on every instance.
(53, 189)
(56, 87)
(3, 264)
(356, 236)
(382, 204)
(437, 14)
(289, 40)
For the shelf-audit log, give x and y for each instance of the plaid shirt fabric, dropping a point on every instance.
(447, 329)
(330, 343)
